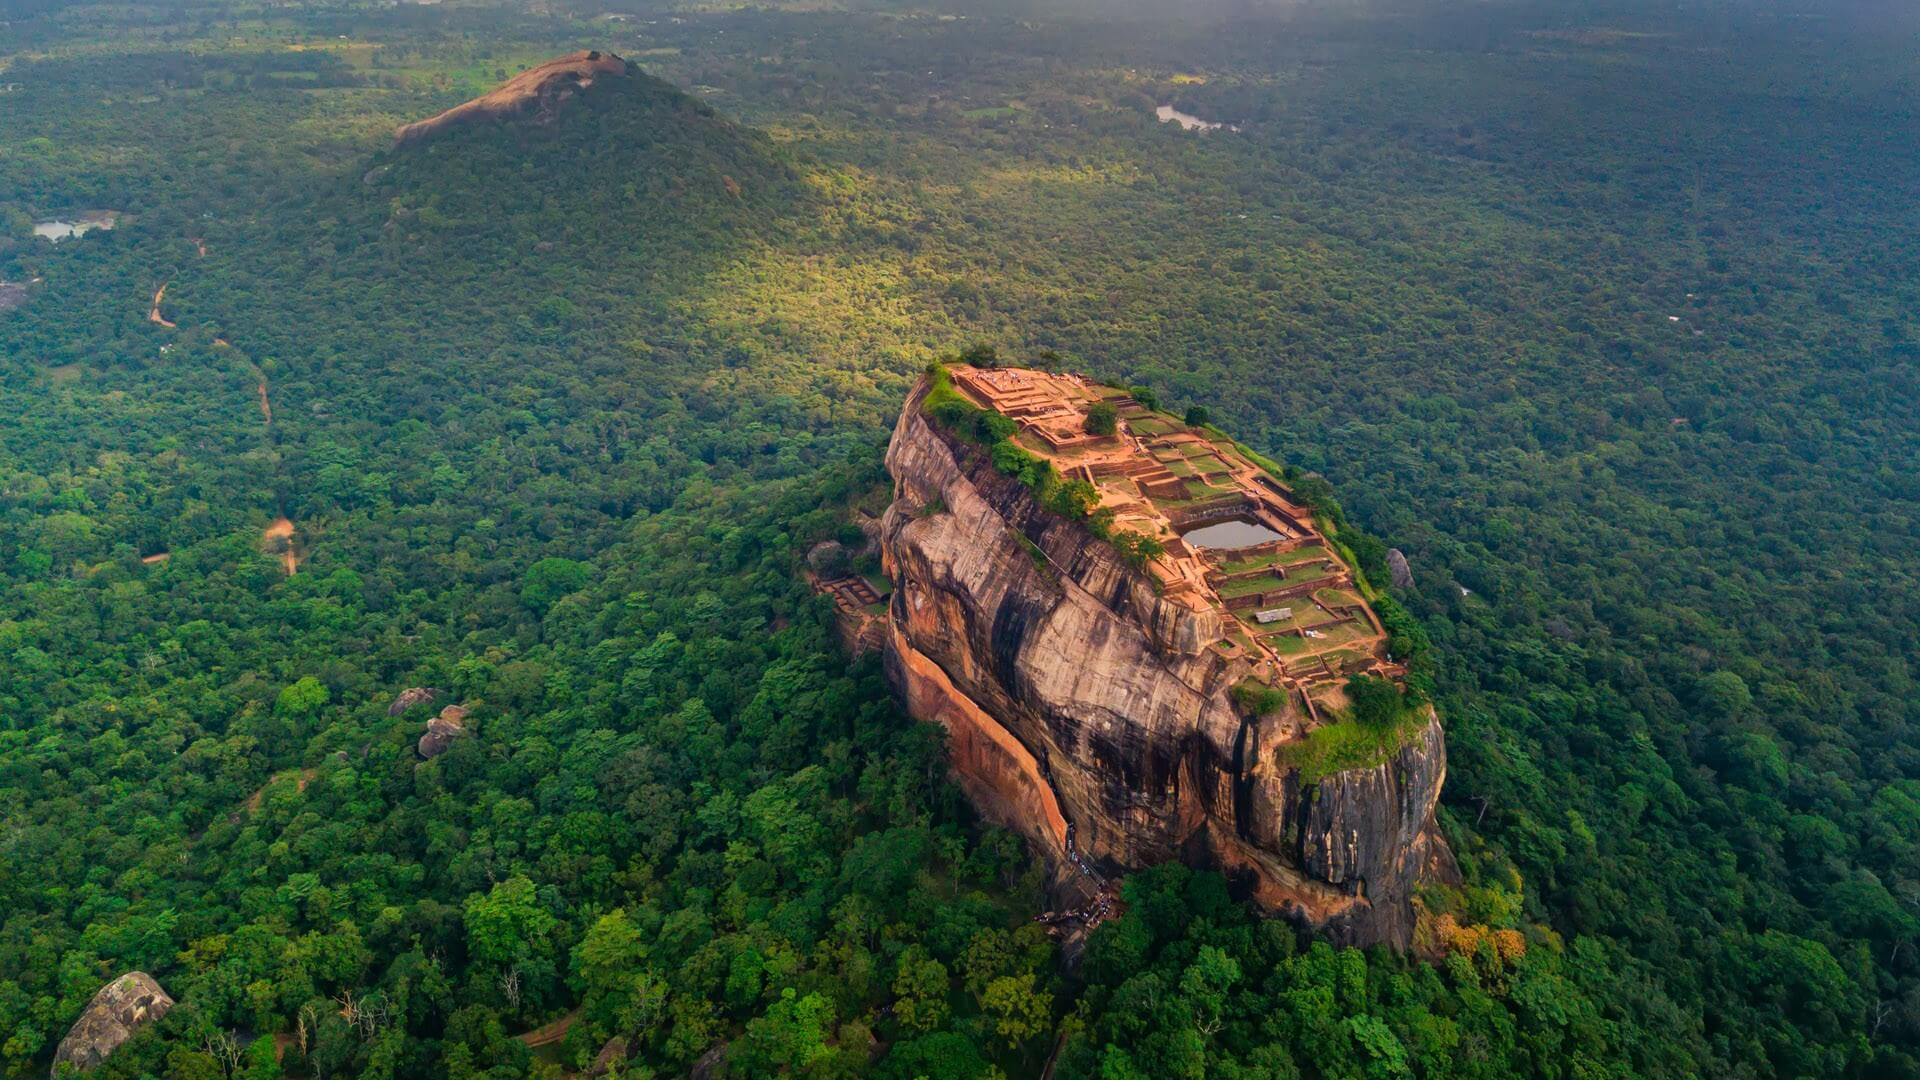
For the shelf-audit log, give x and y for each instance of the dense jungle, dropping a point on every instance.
(1604, 313)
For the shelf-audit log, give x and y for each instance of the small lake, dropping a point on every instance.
(60, 229)
(1228, 535)
(1170, 115)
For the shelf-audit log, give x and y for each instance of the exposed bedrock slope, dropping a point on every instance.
(1080, 702)
(536, 94)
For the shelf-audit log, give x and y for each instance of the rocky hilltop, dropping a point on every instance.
(536, 94)
(1186, 699)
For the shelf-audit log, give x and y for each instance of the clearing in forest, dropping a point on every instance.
(305, 777)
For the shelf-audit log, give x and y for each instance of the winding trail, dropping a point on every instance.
(154, 315)
(278, 539)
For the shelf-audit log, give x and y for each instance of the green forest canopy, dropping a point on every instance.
(1606, 321)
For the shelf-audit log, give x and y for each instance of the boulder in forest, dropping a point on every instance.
(613, 1053)
(828, 558)
(710, 1062)
(413, 695)
(1399, 570)
(442, 730)
(121, 1008)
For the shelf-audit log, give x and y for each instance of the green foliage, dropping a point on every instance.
(1168, 992)
(1137, 548)
(1018, 1010)
(920, 988)
(1075, 499)
(1258, 699)
(1102, 418)
(302, 699)
(1198, 416)
(645, 339)
(508, 924)
(1379, 720)
(1380, 704)
(552, 578)
(982, 356)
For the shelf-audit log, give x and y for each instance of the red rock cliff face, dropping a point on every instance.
(1085, 711)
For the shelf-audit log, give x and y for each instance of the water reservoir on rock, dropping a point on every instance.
(1227, 535)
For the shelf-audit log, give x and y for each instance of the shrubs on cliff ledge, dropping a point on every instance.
(1381, 717)
(1075, 500)
(1258, 699)
(1380, 704)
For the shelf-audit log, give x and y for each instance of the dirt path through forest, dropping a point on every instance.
(154, 315)
(278, 539)
(547, 1034)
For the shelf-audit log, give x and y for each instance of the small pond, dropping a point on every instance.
(1229, 535)
(59, 229)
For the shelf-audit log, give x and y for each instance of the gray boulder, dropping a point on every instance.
(828, 558)
(121, 1008)
(612, 1054)
(442, 730)
(1399, 570)
(411, 696)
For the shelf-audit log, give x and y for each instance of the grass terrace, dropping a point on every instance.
(1337, 597)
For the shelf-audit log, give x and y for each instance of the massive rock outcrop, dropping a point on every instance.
(121, 1008)
(442, 730)
(535, 94)
(1090, 709)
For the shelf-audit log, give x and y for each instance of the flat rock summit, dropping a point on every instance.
(1123, 712)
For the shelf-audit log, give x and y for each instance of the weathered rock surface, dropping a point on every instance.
(612, 1053)
(535, 95)
(1399, 570)
(1085, 710)
(408, 698)
(442, 730)
(828, 557)
(121, 1008)
(709, 1063)
(12, 294)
